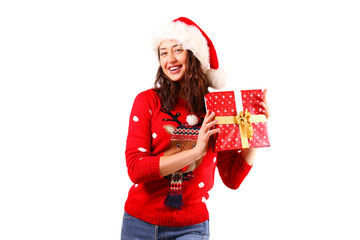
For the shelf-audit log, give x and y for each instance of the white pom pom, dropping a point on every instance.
(192, 120)
(216, 78)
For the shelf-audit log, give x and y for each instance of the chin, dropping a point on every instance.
(175, 78)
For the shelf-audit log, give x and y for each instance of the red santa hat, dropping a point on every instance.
(193, 38)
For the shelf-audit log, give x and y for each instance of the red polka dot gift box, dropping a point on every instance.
(242, 119)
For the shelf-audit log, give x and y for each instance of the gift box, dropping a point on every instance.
(242, 119)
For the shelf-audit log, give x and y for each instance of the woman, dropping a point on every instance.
(168, 154)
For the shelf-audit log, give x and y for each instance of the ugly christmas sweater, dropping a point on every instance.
(154, 132)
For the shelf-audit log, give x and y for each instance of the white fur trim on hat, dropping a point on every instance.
(216, 78)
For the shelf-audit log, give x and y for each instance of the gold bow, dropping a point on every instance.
(244, 120)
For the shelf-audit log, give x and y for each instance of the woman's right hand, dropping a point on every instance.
(172, 163)
(205, 133)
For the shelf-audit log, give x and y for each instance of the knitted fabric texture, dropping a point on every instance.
(174, 197)
(150, 138)
(184, 132)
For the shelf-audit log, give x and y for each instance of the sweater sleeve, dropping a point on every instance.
(232, 168)
(142, 166)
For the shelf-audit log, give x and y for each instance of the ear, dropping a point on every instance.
(169, 129)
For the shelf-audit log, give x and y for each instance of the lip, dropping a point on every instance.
(178, 68)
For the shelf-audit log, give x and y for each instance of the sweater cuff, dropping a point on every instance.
(242, 165)
(155, 168)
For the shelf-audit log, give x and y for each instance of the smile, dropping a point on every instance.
(172, 69)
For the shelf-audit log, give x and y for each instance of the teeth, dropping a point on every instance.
(174, 68)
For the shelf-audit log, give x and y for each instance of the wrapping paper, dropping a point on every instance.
(227, 106)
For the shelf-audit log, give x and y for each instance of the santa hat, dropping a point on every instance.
(193, 38)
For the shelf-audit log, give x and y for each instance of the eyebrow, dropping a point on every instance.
(176, 45)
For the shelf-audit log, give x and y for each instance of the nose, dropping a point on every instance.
(171, 57)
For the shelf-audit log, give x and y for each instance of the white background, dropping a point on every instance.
(70, 70)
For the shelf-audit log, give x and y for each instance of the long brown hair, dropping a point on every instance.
(194, 87)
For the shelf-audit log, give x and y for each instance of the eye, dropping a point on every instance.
(178, 145)
(163, 53)
(194, 145)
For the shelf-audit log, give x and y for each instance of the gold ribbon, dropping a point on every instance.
(244, 120)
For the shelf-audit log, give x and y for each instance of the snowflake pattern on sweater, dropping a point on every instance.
(154, 132)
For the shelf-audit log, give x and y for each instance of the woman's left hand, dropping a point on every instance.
(265, 104)
(248, 154)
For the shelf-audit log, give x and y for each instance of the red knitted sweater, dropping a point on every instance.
(154, 132)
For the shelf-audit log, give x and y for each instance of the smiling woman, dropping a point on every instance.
(179, 74)
(168, 154)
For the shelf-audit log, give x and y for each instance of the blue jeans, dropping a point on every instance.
(136, 229)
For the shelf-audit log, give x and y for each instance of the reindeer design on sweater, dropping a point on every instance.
(183, 137)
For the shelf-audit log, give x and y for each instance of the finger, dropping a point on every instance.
(206, 127)
(264, 105)
(208, 117)
(205, 120)
(266, 108)
(211, 132)
(267, 115)
(264, 95)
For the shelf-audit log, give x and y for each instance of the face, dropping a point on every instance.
(173, 60)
